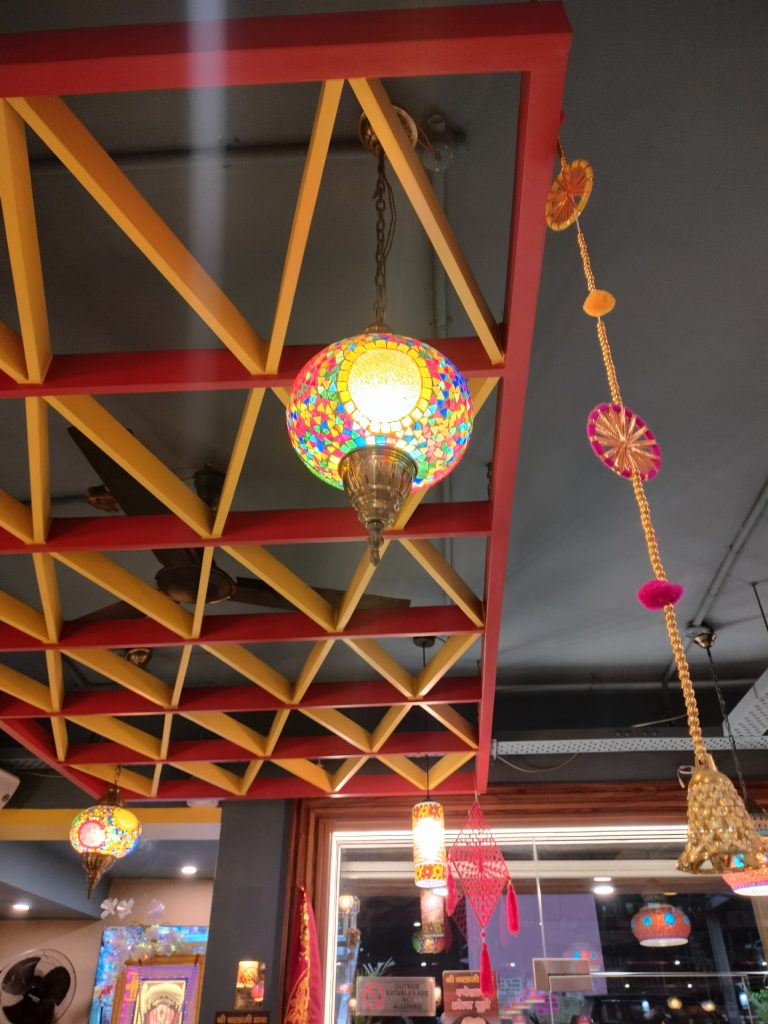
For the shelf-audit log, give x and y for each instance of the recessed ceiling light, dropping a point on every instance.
(417, 924)
(20, 908)
(603, 890)
(423, 963)
(677, 963)
(189, 869)
(602, 878)
(626, 984)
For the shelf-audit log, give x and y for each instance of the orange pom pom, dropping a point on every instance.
(598, 303)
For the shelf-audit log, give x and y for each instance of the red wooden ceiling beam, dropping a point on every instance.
(217, 751)
(380, 44)
(278, 627)
(34, 738)
(288, 788)
(121, 703)
(278, 526)
(537, 130)
(215, 369)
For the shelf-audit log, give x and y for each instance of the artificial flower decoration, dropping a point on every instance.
(569, 194)
(623, 441)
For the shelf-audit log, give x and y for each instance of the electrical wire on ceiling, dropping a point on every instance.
(536, 771)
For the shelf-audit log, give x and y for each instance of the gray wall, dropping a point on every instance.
(247, 910)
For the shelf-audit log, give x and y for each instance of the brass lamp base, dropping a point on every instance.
(719, 827)
(96, 865)
(377, 480)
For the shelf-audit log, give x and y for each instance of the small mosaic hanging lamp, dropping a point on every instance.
(660, 924)
(104, 833)
(719, 827)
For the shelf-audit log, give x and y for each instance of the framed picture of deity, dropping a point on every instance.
(165, 990)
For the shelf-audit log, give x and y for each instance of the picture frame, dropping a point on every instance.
(163, 990)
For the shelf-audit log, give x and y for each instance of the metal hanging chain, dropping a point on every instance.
(727, 724)
(384, 199)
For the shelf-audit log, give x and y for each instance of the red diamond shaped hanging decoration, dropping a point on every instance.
(483, 873)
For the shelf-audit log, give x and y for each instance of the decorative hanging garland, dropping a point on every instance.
(721, 835)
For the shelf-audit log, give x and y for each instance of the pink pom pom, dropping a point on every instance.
(486, 972)
(655, 594)
(452, 898)
(513, 913)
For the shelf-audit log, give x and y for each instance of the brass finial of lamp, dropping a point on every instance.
(379, 414)
(104, 833)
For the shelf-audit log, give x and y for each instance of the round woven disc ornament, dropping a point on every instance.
(568, 195)
(623, 441)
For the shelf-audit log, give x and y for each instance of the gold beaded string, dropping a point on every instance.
(670, 617)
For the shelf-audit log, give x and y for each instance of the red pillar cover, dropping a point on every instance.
(305, 988)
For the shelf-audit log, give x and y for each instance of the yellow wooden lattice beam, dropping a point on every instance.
(125, 585)
(415, 181)
(229, 728)
(254, 669)
(93, 420)
(128, 779)
(271, 570)
(120, 732)
(23, 248)
(22, 687)
(69, 139)
(119, 670)
(317, 153)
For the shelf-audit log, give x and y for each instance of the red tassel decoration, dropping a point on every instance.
(513, 912)
(486, 973)
(452, 898)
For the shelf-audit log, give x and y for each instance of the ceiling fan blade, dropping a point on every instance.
(118, 610)
(249, 590)
(370, 601)
(133, 499)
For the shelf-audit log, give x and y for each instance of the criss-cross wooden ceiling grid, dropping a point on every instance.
(360, 49)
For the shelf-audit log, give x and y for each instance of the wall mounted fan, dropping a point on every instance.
(36, 988)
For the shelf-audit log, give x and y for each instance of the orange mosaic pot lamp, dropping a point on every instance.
(721, 834)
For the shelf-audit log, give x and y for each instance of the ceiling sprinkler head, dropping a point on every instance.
(702, 634)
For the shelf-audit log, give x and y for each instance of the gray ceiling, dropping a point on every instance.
(667, 101)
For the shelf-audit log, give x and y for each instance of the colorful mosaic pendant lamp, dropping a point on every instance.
(380, 414)
(660, 924)
(104, 833)
(719, 827)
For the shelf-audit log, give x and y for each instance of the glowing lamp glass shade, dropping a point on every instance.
(432, 914)
(748, 881)
(380, 389)
(107, 829)
(429, 858)
(661, 924)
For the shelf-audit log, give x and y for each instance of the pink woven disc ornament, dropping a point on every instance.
(482, 871)
(623, 441)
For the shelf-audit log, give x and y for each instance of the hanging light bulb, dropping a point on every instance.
(429, 857)
(104, 833)
(379, 414)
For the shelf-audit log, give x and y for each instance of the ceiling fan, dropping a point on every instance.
(179, 575)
